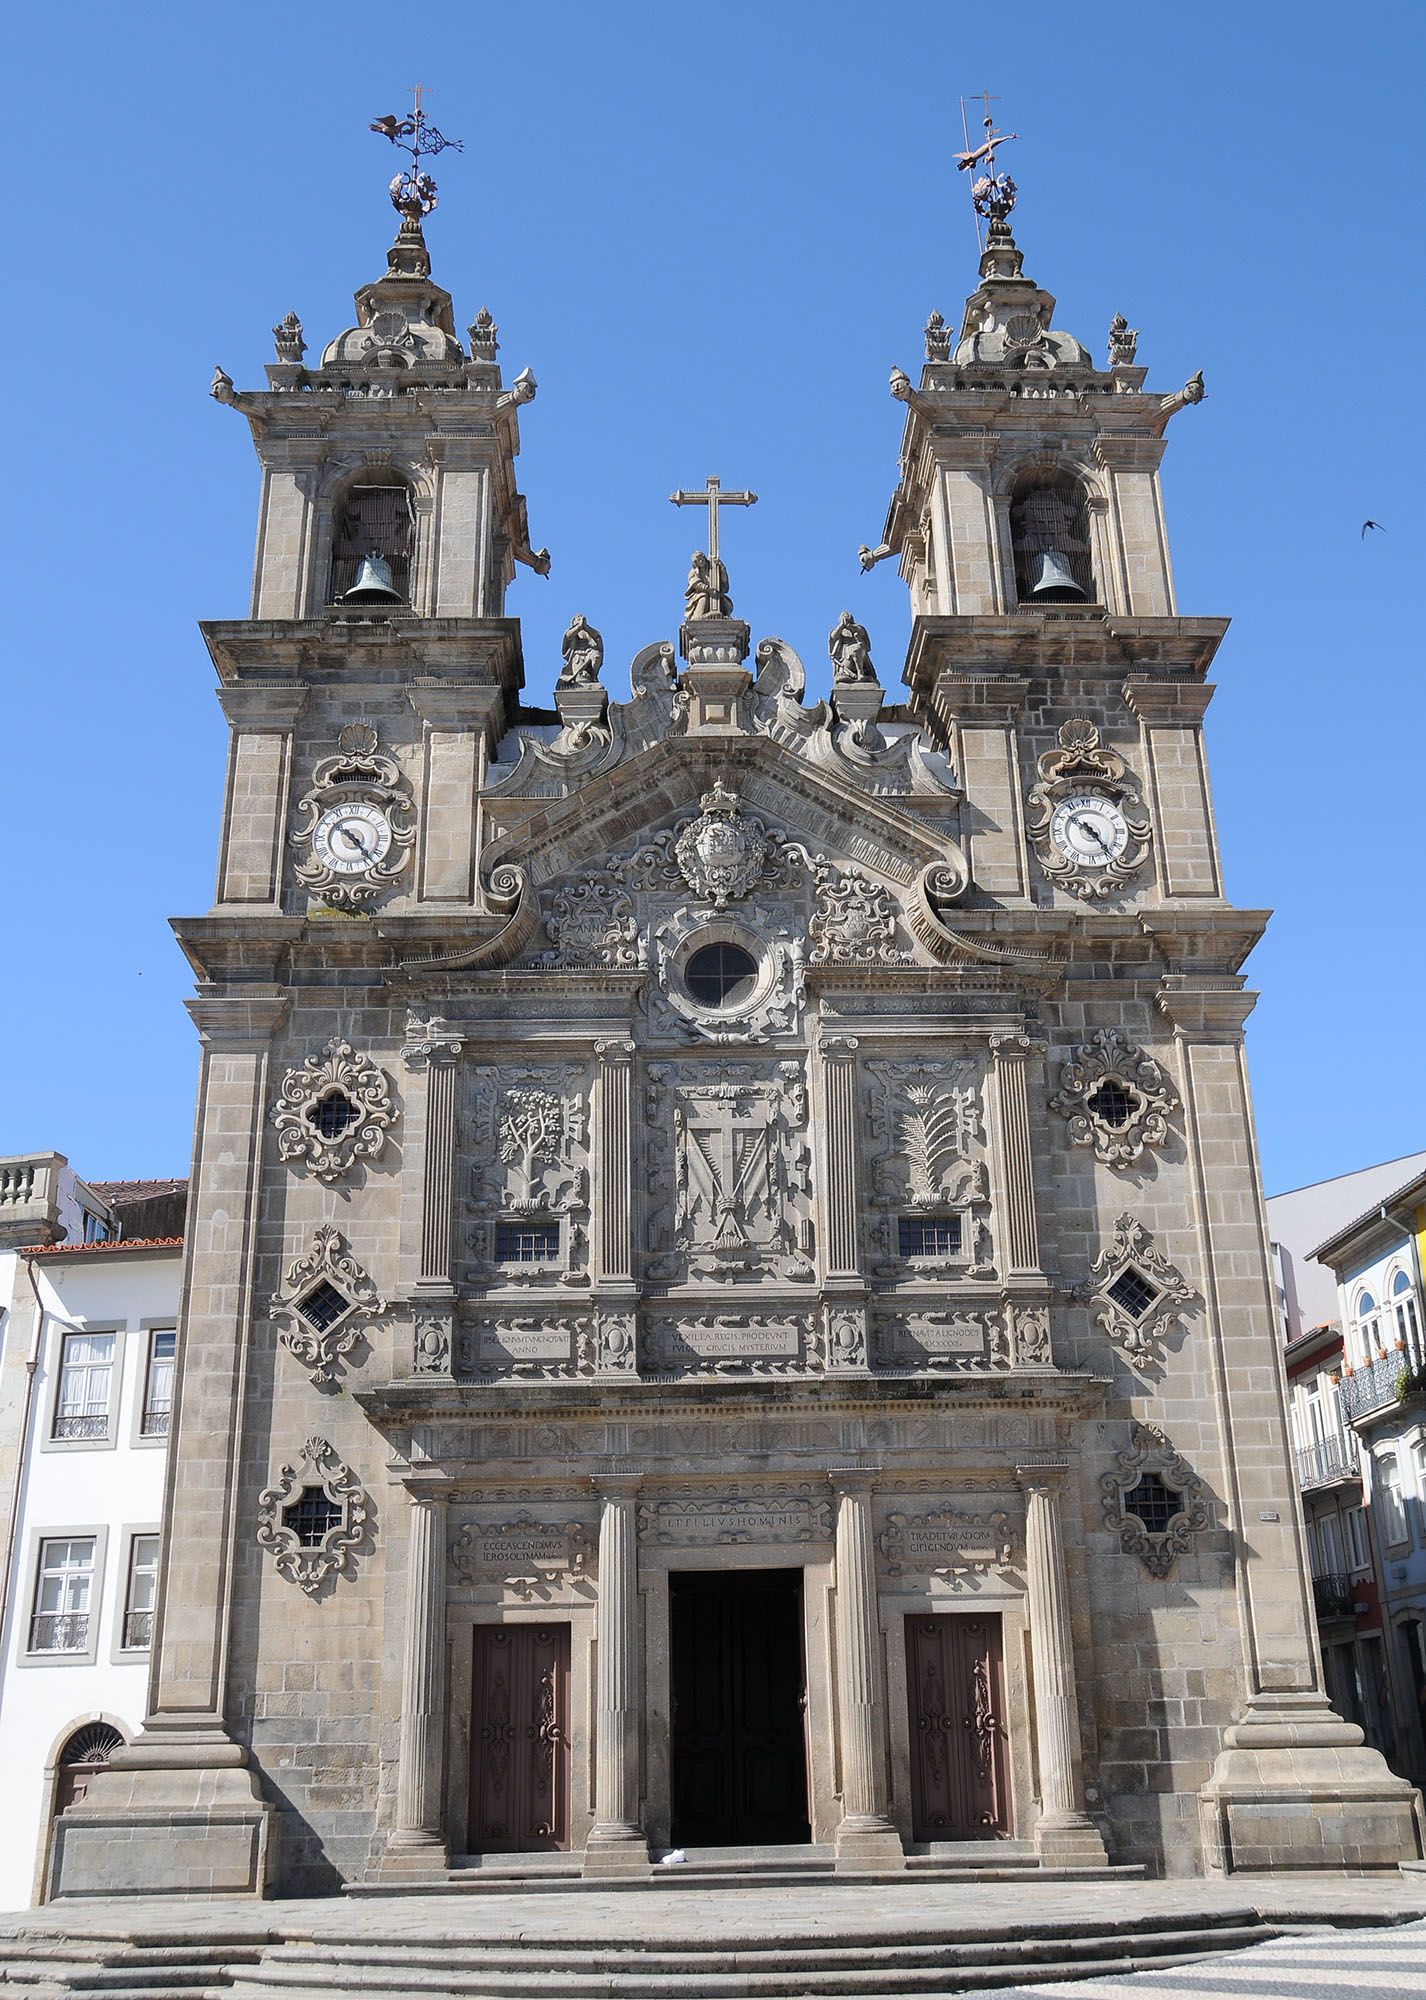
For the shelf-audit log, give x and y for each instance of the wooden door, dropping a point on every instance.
(519, 1777)
(955, 1687)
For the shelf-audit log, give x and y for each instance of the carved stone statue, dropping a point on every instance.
(583, 651)
(706, 592)
(850, 649)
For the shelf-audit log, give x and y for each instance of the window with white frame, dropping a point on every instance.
(86, 1373)
(64, 1584)
(158, 1384)
(1402, 1297)
(1368, 1322)
(1331, 1546)
(1388, 1494)
(1358, 1548)
(141, 1592)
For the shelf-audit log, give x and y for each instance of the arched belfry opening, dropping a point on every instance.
(373, 525)
(1049, 532)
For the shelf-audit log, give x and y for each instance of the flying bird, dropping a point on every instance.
(1370, 524)
(983, 152)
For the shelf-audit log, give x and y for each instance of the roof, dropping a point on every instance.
(127, 1191)
(1350, 1174)
(1416, 1185)
(103, 1249)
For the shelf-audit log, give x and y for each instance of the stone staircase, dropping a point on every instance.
(837, 1962)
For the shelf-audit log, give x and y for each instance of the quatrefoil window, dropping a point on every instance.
(1114, 1103)
(334, 1114)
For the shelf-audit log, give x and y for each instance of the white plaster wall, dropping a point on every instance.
(1305, 1217)
(115, 1487)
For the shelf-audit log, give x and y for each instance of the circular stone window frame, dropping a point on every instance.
(723, 930)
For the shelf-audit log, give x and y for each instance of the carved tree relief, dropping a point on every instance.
(529, 1180)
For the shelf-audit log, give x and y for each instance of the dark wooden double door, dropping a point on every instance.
(519, 1742)
(738, 1682)
(955, 1684)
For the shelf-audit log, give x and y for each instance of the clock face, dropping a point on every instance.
(1089, 830)
(349, 839)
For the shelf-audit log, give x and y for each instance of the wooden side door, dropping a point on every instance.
(519, 1778)
(955, 1686)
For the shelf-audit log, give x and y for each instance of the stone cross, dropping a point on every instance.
(713, 497)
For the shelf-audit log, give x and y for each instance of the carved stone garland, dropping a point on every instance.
(327, 1301)
(359, 774)
(1173, 1504)
(1115, 1097)
(1137, 1293)
(1082, 763)
(332, 1111)
(303, 1560)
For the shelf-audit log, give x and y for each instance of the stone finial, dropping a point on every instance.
(583, 650)
(288, 336)
(850, 649)
(481, 333)
(1123, 341)
(938, 339)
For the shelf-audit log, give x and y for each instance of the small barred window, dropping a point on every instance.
(312, 1517)
(323, 1306)
(527, 1242)
(1132, 1293)
(1153, 1503)
(929, 1235)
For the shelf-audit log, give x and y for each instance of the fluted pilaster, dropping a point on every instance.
(1064, 1830)
(1020, 1231)
(423, 1709)
(617, 1841)
(614, 1188)
(865, 1835)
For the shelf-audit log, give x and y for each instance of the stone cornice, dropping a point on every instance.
(1168, 700)
(1066, 642)
(241, 1020)
(398, 647)
(1204, 1009)
(259, 705)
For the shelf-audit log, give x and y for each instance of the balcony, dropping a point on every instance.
(1371, 1388)
(59, 1632)
(1326, 1462)
(138, 1630)
(1333, 1595)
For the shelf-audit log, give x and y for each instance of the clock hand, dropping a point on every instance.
(1088, 826)
(353, 839)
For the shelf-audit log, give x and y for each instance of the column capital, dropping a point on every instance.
(1047, 1478)
(838, 1048)
(617, 1051)
(427, 1042)
(617, 1485)
(1016, 1046)
(852, 1478)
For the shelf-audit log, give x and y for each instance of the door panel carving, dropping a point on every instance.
(519, 1778)
(955, 1687)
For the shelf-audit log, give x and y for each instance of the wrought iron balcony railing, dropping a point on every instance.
(1326, 1461)
(138, 1629)
(1333, 1595)
(59, 1632)
(1373, 1387)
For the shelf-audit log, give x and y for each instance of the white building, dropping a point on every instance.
(89, 1284)
(1377, 1260)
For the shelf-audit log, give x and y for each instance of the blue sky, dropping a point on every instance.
(711, 231)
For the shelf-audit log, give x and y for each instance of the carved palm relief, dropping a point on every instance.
(1115, 1098)
(326, 1306)
(1154, 1501)
(1138, 1296)
(312, 1517)
(729, 1173)
(1085, 816)
(528, 1207)
(927, 1170)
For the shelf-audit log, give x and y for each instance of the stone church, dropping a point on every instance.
(727, 1303)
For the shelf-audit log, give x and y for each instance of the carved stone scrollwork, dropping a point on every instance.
(312, 1517)
(961, 1548)
(328, 1301)
(1083, 766)
(332, 1111)
(1154, 1500)
(592, 923)
(1030, 1336)
(771, 1008)
(1138, 1295)
(846, 1336)
(854, 921)
(1115, 1097)
(370, 785)
(431, 1342)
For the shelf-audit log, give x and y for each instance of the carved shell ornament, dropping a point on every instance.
(333, 1110)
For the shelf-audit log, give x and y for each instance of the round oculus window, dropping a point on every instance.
(720, 975)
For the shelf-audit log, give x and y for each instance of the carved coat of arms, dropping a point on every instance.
(721, 854)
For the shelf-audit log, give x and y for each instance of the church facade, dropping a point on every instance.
(727, 1302)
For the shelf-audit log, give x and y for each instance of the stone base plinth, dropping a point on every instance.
(171, 1816)
(859, 1847)
(1296, 1787)
(1066, 1841)
(413, 1855)
(857, 701)
(616, 1857)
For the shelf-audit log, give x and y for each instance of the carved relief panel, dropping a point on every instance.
(528, 1201)
(928, 1182)
(729, 1173)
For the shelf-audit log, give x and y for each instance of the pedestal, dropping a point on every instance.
(857, 701)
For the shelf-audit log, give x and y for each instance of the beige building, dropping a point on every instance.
(727, 1301)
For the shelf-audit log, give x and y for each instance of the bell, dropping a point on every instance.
(1051, 581)
(373, 584)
